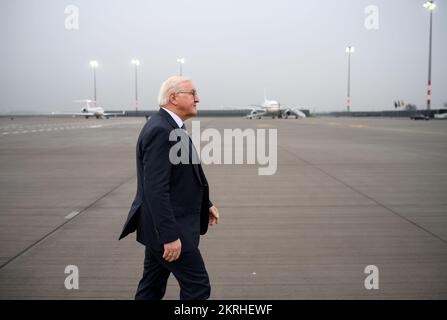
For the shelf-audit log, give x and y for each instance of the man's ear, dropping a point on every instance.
(172, 99)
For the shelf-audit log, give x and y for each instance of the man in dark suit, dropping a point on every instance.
(171, 208)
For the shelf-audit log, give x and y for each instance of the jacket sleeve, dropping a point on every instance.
(202, 174)
(157, 173)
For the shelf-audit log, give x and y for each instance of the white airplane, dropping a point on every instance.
(89, 111)
(272, 108)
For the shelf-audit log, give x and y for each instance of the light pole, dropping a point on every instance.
(94, 65)
(136, 63)
(181, 61)
(430, 6)
(349, 50)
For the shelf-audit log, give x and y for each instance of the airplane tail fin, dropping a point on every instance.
(86, 105)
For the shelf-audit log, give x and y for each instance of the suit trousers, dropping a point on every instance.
(188, 269)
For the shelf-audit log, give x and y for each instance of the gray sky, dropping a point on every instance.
(233, 49)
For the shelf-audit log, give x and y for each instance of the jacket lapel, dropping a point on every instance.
(168, 118)
(174, 125)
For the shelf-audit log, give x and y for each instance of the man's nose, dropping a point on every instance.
(196, 99)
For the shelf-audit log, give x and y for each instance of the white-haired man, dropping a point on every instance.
(171, 208)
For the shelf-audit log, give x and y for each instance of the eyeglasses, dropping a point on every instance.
(193, 93)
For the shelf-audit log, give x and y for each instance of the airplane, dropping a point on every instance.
(89, 111)
(272, 108)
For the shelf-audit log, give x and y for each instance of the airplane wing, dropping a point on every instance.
(115, 114)
(255, 106)
(89, 114)
(254, 110)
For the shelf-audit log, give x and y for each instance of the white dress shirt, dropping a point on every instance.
(175, 117)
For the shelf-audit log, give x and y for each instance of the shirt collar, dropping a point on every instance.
(175, 117)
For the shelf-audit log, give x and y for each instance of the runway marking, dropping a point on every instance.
(30, 126)
(399, 130)
(47, 235)
(361, 126)
(412, 131)
(53, 129)
(33, 128)
(366, 196)
(71, 215)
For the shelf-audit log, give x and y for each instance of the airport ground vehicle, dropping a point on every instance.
(441, 114)
(419, 116)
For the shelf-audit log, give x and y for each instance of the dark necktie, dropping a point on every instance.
(192, 149)
(193, 153)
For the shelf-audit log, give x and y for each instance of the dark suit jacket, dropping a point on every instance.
(172, 200)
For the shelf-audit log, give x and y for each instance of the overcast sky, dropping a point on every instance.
(233, 50)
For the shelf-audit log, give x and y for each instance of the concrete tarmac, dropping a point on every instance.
(348, 193)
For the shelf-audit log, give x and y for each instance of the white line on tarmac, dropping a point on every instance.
(71, 215)
(68, 126)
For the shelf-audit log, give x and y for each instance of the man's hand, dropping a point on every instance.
(214, 216)
(172, 250)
